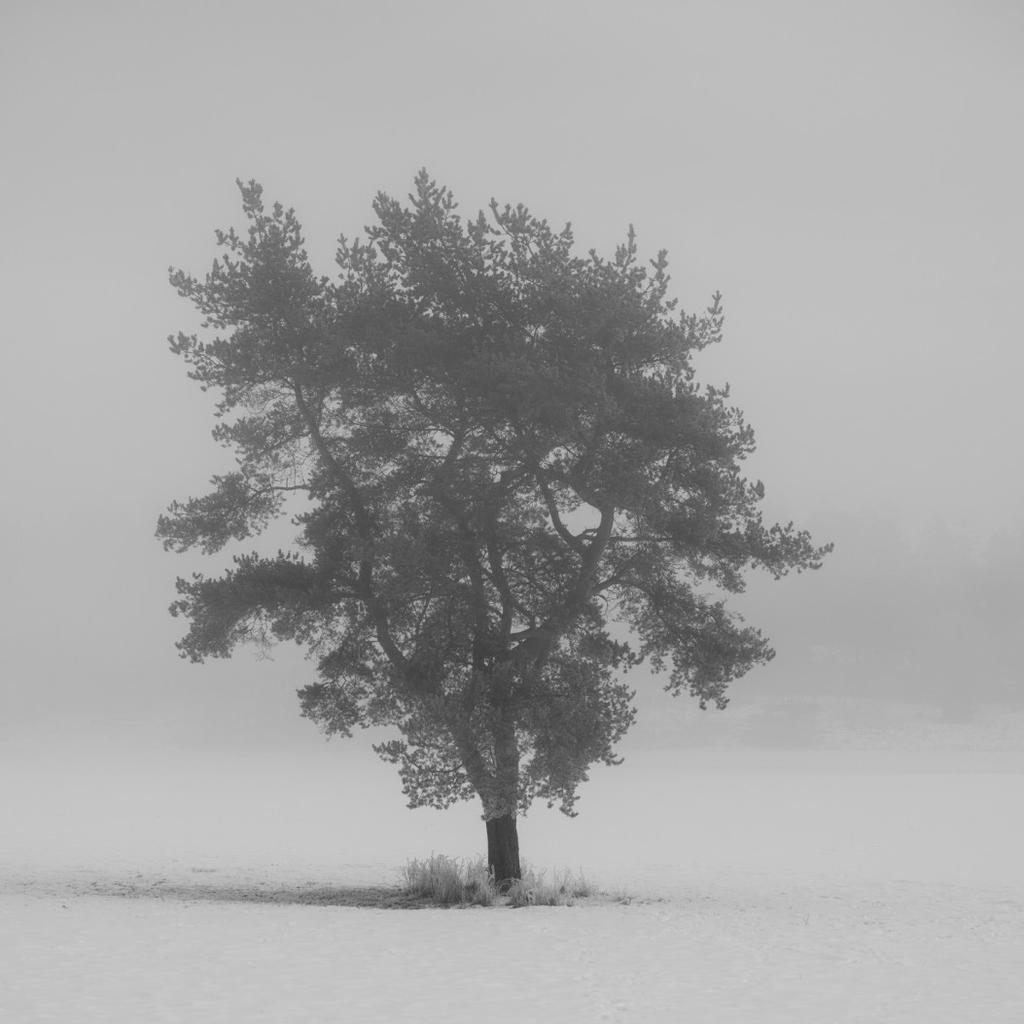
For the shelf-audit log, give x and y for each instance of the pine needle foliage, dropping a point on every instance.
(498, 450)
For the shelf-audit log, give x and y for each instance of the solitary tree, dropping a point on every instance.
(493, 449)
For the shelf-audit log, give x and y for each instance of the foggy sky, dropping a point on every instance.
(848, 175)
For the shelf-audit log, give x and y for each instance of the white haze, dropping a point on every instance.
(847, 176)
(837, 844)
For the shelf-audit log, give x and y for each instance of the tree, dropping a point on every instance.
(500, 451)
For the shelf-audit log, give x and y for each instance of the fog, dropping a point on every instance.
(848, 176)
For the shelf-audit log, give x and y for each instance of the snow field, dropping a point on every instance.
(902, 954)
(767, 886)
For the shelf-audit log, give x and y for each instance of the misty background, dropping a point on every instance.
(847, 175)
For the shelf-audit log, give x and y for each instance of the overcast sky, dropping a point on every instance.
(847, 174)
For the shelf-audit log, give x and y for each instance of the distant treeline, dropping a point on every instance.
(936, 616)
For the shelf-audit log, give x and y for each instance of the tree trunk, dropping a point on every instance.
(503, 850)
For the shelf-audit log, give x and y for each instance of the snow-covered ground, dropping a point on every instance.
(862, 879)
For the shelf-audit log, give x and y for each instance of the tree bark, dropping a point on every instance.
(503, 850)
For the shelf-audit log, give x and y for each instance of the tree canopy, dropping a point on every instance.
(498, 450)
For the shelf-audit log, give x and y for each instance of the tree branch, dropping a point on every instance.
(365, 529)
(561, 529)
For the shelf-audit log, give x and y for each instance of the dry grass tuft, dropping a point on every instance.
(563, 890)
(449, 881)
